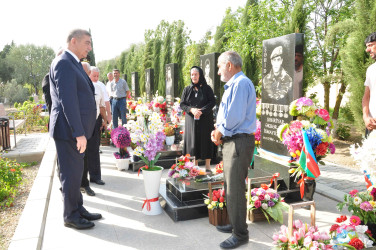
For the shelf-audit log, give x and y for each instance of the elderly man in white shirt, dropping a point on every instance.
(92, 157)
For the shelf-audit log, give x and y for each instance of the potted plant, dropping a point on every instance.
(170, 134)
(265, 202)
(121, 138)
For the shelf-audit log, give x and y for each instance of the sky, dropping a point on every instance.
(114, 24)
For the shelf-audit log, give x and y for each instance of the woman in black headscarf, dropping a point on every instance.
(198, 101)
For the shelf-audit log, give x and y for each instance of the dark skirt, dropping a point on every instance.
(197, 140)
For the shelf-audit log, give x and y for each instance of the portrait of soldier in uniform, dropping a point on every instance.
(207, 73)
(277, 83)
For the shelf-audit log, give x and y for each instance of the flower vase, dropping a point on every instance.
(122, 164)
(170, 140)
(309, 190)
(152, 180)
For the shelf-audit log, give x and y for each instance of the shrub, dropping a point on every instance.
(33, 117)
(10, 179)
(343, 131)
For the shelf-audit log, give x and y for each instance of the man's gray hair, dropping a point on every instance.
(94, 69)
(231, 56)
(86, 66)
(78, 34)
(109, 73)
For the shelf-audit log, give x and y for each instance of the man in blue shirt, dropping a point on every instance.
(235, 127)
(120, 91)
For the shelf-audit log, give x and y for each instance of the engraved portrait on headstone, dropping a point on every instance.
(280, 86)
(208, 79)
(168, 81)
(277, 83)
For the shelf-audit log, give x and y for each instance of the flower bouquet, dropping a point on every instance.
(258, 134)
(365, 157)
(361, 204)
(177, 112)
(121, 138)
(184, 168)
(216, 203)
(352, 235)
(169, 130)
(218, 168)
(269, 202)
(304, 236)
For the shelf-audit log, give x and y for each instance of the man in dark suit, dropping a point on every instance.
(72, 121)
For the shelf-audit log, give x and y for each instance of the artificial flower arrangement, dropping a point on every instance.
(365, 157)
(184, 168)
(304, 236)
(315, 121)
(218, 199)
(269, 202)
(131, 106)
(361, 204)
(169, 130)
(258, 134)
(218, 168)
(159, 105)
(258, 108)
(106, 133)
(121, 138)
(176, 112)
(352, 235)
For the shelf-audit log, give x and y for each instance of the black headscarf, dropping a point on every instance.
(201, 79)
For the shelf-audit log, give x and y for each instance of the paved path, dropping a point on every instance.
(124, 226)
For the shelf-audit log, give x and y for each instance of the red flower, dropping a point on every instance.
(355, 242)
(221, 199)
(181, 132)
(12, 170)
(342, 218)
(353, 192)
(322, 148)
(215, 198)
(334, 228)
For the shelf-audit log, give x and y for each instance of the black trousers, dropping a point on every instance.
(71, 164)
(92, 161)
(237, 156)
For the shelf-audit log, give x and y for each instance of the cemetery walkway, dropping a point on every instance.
(124, 226)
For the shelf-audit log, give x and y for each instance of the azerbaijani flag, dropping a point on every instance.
(307, 158)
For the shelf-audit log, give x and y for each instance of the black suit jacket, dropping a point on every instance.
(73, 111)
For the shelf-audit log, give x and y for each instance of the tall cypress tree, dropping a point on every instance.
(90, 56)
(355, 60)
(166, 55)
(178, 56)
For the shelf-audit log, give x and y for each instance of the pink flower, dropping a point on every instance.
(261, 197)
(298, 224)
(355, 220)
(323, 113)
(283, 238)
(297, 235)
(303, 101)
(353, 192)
(307, 241)
(257, 204)
(366, 206)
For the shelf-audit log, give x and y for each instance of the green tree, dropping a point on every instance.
(31, 63)
(91, 56)
(157, 65)
(355, 60)
(6, 69)
(166, 53)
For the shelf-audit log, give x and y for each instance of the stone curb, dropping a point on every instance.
(30, 230)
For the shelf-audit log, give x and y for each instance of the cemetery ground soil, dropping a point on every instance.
(9, 216)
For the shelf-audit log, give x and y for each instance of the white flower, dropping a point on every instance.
(267, 197)
(357, 201)
(258, 192)
(264, 206)
(254, 198)
(361, 228)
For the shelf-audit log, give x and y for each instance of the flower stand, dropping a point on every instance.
(170, 140)
(217, 217)
(256, 215)
(152, 179)
(122, 164)
(300, 205)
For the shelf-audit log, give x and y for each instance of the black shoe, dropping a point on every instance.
(91, 216)
(79, 223)
(99, 182)
(225, 229)
(208, 171)
(233, 242)
(88, 191)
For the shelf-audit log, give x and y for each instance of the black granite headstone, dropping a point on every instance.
(171, 84)
(278, 90)
(149, 84)
(209, 64)
(135, 85)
